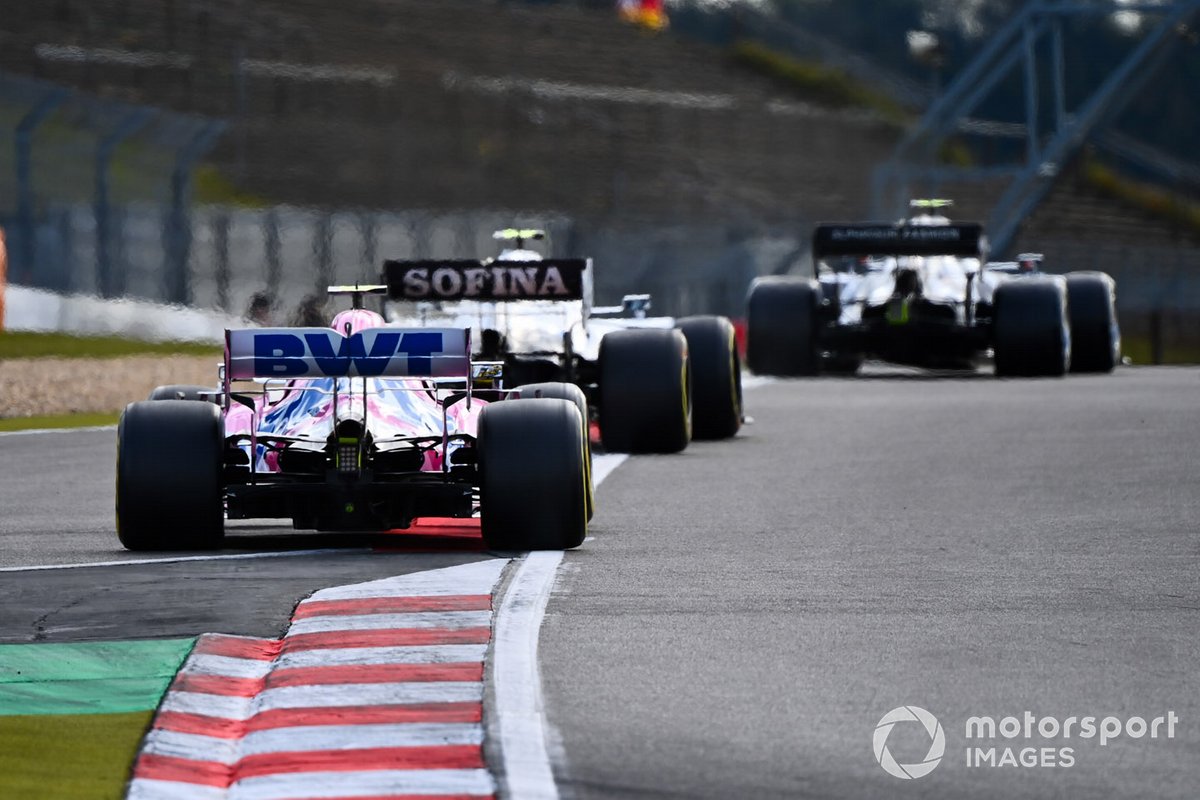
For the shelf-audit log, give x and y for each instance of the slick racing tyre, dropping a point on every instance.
(716, 376)
(169, 487)
(532, 475)
(183, 391)
(1030, 330)
(781, 326)
(1092, 309)
(644, 391)
(571, 392)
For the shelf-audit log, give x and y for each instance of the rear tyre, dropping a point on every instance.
(169, 487)
(183, 391)
(716, 376)
(1092, 309)
(781, 326)
(572, 393)
(532, 475)
(1031, 333)
(644, 391)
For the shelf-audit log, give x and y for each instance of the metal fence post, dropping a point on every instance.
(1029, 43)
(323, 248)
(24, 168)
(1156, 336)
(178, 234)
(368, 227)
(271, 245)
(220, 223)
(108, 283)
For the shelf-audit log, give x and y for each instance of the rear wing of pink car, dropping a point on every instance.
(290, 353)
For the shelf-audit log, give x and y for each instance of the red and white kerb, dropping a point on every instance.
(376, 691)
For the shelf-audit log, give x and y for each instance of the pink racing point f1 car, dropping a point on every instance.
(360, 427)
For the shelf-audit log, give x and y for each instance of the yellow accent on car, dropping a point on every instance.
(687, 401)
(935, 202)
(897, 312)
(519, 233)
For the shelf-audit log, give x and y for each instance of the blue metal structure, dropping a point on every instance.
(914, 168)
(23, 144)
(177, 234)
(65, 144)
(110, 283)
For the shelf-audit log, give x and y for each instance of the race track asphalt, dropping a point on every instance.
(748, 611)
(971, 546)
(56, 508)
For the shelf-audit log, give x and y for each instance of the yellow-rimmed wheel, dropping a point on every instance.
(716, 376)
(645, 391)
(532, 475)
(571, 392)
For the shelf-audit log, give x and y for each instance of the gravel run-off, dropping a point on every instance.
(53, 386)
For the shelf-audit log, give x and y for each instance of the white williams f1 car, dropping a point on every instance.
(921, 293)
(652, 383)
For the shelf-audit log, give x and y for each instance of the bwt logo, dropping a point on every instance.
(294, 355)
(937, 742)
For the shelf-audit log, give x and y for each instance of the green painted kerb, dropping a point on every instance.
(88, 677)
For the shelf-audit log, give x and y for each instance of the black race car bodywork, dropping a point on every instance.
(921, 293)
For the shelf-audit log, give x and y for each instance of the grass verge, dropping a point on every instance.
(213, 188)
(1152, 200)
(25, 344)
(1140, 351)
(818, 82)
(58, 421)
(49, 757)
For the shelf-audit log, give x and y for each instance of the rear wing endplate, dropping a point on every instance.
(325, 353)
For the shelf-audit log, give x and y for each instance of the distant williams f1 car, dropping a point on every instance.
(357, 427)
(920, 293)
(652, 383)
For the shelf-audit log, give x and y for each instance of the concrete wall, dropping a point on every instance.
(28, 309)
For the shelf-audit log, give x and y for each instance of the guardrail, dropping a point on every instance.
(68, 149)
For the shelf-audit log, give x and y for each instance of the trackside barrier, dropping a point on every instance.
(81, 315)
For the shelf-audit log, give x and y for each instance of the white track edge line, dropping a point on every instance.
(751, 382)
(183, 559)
(520, 708)
(603, 466)
(81, 429)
